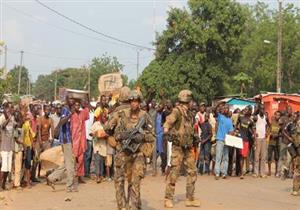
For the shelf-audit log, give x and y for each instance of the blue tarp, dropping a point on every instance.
(241, 102)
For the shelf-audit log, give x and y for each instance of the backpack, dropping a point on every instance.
(183, 128)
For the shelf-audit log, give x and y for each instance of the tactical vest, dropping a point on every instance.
(297, 137)
(126, 123)
(183, 129)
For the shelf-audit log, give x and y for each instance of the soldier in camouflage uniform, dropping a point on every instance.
(284, 162)
(179, 129)
(132, 164)
(292, 133)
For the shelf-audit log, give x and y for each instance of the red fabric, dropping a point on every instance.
(78, 131)
(196, 153)
(34, 124)
(199, 120)
(245, 151)
(80, 165)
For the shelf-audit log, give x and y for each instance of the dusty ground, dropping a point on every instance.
(230, 194)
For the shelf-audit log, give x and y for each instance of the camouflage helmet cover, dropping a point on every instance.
(135, 95)
(124, 94)
(185, 96)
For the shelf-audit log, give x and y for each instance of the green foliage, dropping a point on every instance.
(14, 76)
(259, 59)
(77, 78)
(212, 47)
(132, 84)
(197, 50)
(44, 87)
(100, 66)
(242, 80)
(217, 48)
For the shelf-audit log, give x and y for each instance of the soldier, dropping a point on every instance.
(284, 157)
(179, 129)
(292, 133)
(128, 162)
(123, 99)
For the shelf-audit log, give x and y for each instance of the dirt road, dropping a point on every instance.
(230, 194)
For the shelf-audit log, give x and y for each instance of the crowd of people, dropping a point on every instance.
(265, 141)
(26, 133)
(78, 125)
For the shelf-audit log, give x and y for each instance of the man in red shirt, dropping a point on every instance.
(78, 133)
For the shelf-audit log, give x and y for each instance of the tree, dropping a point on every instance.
(197, 50)
(74, 78)
(5, 84)
(14, 75)
(259, 59)
(77, 78)
(103, 65)
(243, 81)
(44, 87)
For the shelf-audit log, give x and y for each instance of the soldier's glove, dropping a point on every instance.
(124, 135)
(139, 138)
(108, 130)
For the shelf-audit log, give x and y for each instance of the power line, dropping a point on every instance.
(14, 51)
(46, 55)
(59, 27)
(91, 29)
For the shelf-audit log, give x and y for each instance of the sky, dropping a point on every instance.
(50, 42)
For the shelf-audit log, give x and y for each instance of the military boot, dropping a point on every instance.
(295, 193)
(192, 203)
(168, 203)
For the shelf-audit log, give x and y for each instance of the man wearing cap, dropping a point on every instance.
(180, 131)
(129, 162)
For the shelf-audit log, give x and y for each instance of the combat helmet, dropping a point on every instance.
(124, 94)
(135, 95)
(185, 96)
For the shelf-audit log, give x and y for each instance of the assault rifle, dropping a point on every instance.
(129, 142)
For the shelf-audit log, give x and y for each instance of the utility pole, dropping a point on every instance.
(137, 63)
(20, 71)
(279, 49)
(55, 86)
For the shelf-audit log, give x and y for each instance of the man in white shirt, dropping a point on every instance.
(260, 144)
(89, 151)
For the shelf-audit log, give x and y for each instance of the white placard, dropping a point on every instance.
(169, 153)
(234, 141)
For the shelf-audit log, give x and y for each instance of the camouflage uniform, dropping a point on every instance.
(180, 130)
(284, 157)
(132, 165)
(296, 181)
